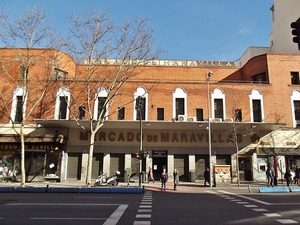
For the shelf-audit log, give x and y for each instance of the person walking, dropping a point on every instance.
(164, 178)
(176, 178)
(150, 175)
(270, 176)
(206, 176)
(297, 175)
(288, 177)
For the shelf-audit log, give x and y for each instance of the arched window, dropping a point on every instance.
(218, 104)
(180, 104)
(18, 104)
(101, 104)
(141, 107)
(62, 105)
(295, 98)
(256, 106)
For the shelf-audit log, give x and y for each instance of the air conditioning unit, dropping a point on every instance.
(181, 118)
(192, 119)
(217, 120)
(228, 120)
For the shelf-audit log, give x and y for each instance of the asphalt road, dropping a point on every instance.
(211, 207)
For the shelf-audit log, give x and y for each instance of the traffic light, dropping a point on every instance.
(138, 156)
(296, 32)
(139, 102)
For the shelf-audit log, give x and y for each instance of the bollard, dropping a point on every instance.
(249, 188)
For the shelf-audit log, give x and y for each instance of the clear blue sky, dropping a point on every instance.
(183, 29)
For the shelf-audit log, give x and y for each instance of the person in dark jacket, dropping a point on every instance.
(164, 178)
(288, 176)
(206, 176)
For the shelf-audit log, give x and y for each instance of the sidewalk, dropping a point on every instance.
(183, 187)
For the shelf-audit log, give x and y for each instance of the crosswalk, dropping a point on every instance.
(265, 212)
(143, 216)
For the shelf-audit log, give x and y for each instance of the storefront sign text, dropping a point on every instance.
(162, 137)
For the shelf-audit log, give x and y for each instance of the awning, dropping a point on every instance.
(281, 142)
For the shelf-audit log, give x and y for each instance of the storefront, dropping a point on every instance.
(180, 145)
(42, 159)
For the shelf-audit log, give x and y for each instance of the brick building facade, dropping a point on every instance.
(258, 99)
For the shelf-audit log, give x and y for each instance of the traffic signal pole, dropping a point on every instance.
(141, 149)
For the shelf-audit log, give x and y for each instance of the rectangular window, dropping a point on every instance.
(101, 107)
(23, 72)
(63, 105)
(179, 107)
(297, 112)
(257, 114)
(142, 109)
(160, 114)
(121, 113)
(238, 115)
(81, 113)
(19, 110)
(218, 103)
(295, 77)
(59, 74)
(199, 115)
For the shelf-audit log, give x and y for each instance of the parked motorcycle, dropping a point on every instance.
(104, 180)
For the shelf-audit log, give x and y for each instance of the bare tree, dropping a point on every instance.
(237, 129)
(110, 55)
(23, 71)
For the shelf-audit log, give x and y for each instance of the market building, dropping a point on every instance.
(248, 110)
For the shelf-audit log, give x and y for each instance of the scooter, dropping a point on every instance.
(104, 180)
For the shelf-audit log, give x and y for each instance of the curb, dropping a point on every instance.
(115, 190)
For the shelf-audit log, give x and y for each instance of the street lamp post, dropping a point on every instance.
(138, 107)
(209, 74)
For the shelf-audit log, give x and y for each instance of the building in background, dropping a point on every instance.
(254, 105)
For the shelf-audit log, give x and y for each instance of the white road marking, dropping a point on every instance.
(146, 206)
(251, 206)
(61, 218)
(115, 217)
(245, 197)
(287, 221)
(144, 210)
(142, 223)
(272, 215)
(143, 216)
(261, 210)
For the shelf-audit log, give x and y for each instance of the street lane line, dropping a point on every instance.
(272, 215)
(287, 221)
(59, 204)
(62, 218)
(116, 215)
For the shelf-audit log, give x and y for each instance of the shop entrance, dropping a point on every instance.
(160, 162)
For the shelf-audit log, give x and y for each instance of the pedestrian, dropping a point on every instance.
(288, 177)
(164, 178)
(150, 175)
(293, 176)
(176, 178)
(297, 175)
(270, 176)
(206, 176)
